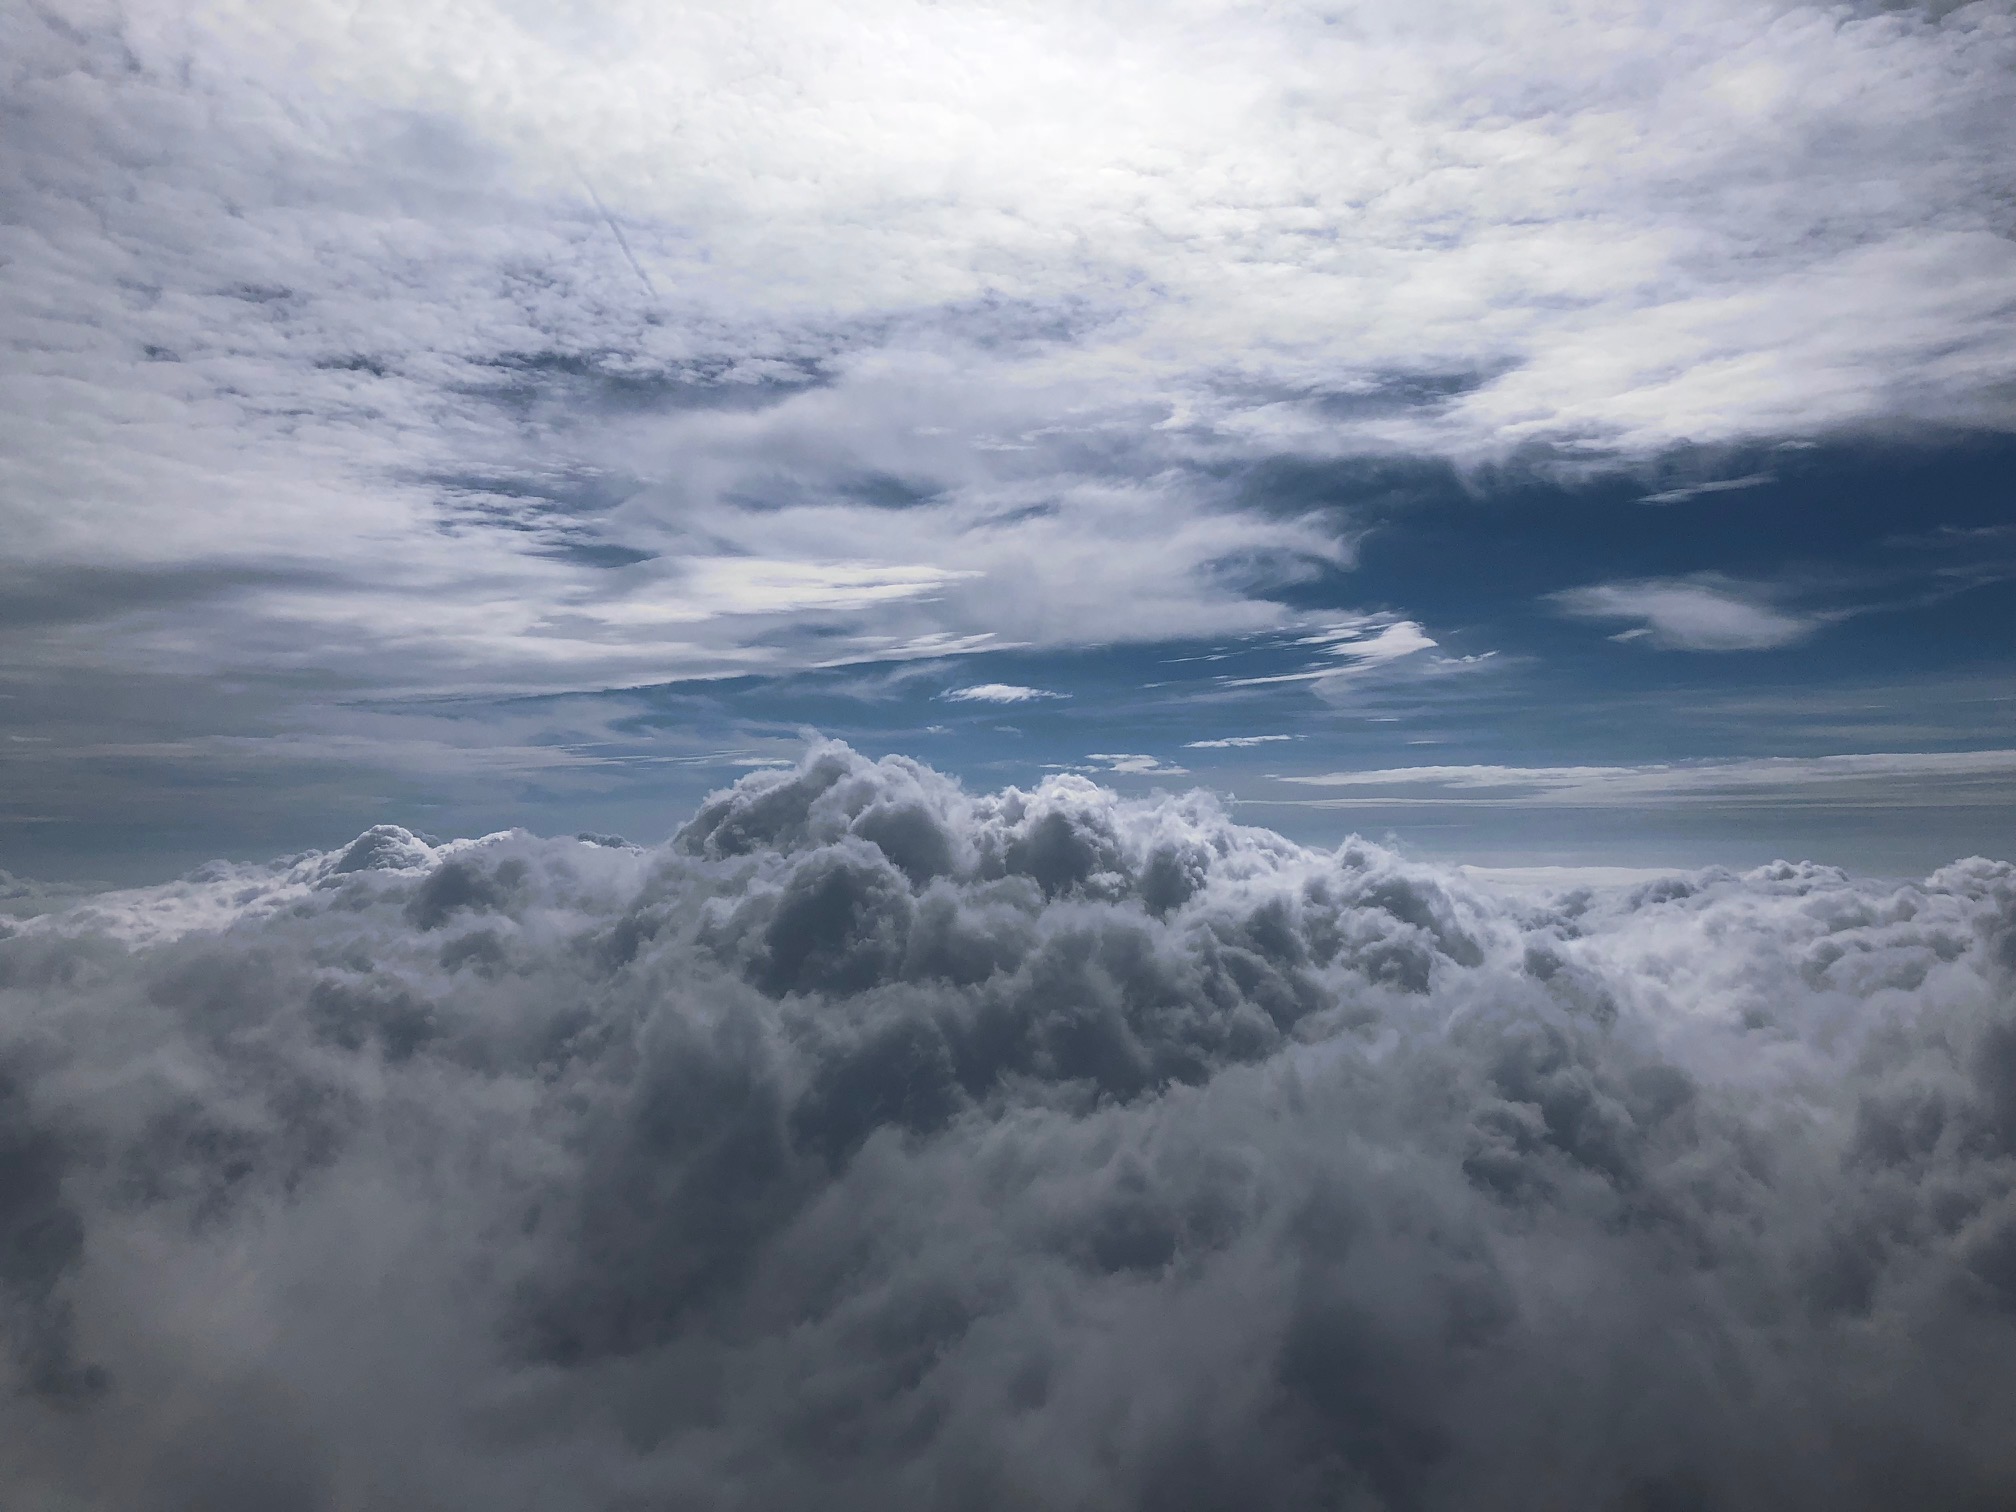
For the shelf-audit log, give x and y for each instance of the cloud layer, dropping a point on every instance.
(513, 351)
(877, 1144)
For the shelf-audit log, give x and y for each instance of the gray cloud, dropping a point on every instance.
(880, 1144)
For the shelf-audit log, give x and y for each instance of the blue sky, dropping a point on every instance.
(1579, 435)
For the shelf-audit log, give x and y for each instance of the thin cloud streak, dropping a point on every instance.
(1691, 614)
(1872, 780)
(998, 693)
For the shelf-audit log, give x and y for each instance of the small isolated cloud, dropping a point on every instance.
(1691, 614)
(998, 693)
(1135, 765)
(1389, 642)
(1234, 742)
(1687, 491)
(1358, 646)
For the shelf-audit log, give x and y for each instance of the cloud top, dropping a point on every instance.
(878, 1143)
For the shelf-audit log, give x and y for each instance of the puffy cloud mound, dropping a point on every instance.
(876, 1144)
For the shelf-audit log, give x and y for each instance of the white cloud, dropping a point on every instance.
(1234, 742)
(1317, 196)
(751, 585)
(998, 693)
(1362, 645)
(1125, 765)
(1684, 492)
(1874, 780)
(1691, 614)
(1386, 642)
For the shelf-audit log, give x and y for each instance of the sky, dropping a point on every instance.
(1571, 433)
(987, 757)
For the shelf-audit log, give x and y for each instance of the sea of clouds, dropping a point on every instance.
(876, 1144)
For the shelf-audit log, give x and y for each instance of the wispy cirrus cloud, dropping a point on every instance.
(1693, 614)
(1876, 779)
(998, 693)
(1124, 764)
(1683, 492)
(1354, 646)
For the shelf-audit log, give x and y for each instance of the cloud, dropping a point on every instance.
(1362, 645)
(1688, 491)
(998, 693)
(1691, 614)
(504, 365)
(21, 896)
(1135, 765)
(1388, 642)
(1521, 207)
(1233, 742)
(877, 1142)
(746, 585)
(1884, 780)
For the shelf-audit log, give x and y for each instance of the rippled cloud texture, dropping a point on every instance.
(876, 1144)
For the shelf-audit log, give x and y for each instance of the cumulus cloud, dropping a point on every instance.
(23, 896)
(1691, 614)
(880, 1144)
